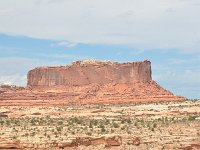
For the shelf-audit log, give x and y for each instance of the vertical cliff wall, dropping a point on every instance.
(92, 82)
(89, 72)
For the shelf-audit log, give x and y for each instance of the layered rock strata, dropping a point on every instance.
(92, 82)
(82, 73)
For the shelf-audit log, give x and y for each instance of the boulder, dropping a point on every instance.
(193, 146)
(113, 141)
(98, 141)
(10, 145)
(69, 143)
(87, 141)
(134, 141)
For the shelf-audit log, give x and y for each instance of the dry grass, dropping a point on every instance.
(165, 125)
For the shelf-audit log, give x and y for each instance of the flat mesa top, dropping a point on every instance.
(94, 62)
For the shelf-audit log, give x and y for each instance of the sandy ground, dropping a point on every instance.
(156, 125)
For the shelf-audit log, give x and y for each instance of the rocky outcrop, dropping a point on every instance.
(108, 141)
(90, 72)
(91, 82)
(6, 88)
(113, 141)
(195, 146)
(134, 141)
(10, 145)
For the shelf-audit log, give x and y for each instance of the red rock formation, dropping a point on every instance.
(10, 144)
(90, 72)
(113, 141)
(108, 141)
(90, 82)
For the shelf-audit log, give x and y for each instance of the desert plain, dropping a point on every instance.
(122, 126)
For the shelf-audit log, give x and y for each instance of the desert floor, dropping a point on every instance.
(125, 126)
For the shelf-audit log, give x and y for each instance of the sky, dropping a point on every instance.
(57, 32)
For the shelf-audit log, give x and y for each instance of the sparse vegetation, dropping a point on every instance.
(134, 119)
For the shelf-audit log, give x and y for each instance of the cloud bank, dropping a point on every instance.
(142, 24)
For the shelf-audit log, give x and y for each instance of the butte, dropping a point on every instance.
(90, 81)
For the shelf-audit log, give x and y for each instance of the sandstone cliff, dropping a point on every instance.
(90, 72)
(92, 82)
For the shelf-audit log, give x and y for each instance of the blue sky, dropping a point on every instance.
(57, 32)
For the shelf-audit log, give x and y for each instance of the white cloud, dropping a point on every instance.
(15, 79)
(177, 61)
(182, 81)
(143, 24)
(65, 44)
(14, 69)
(8, 48)
(65, 56)
(7, 12)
